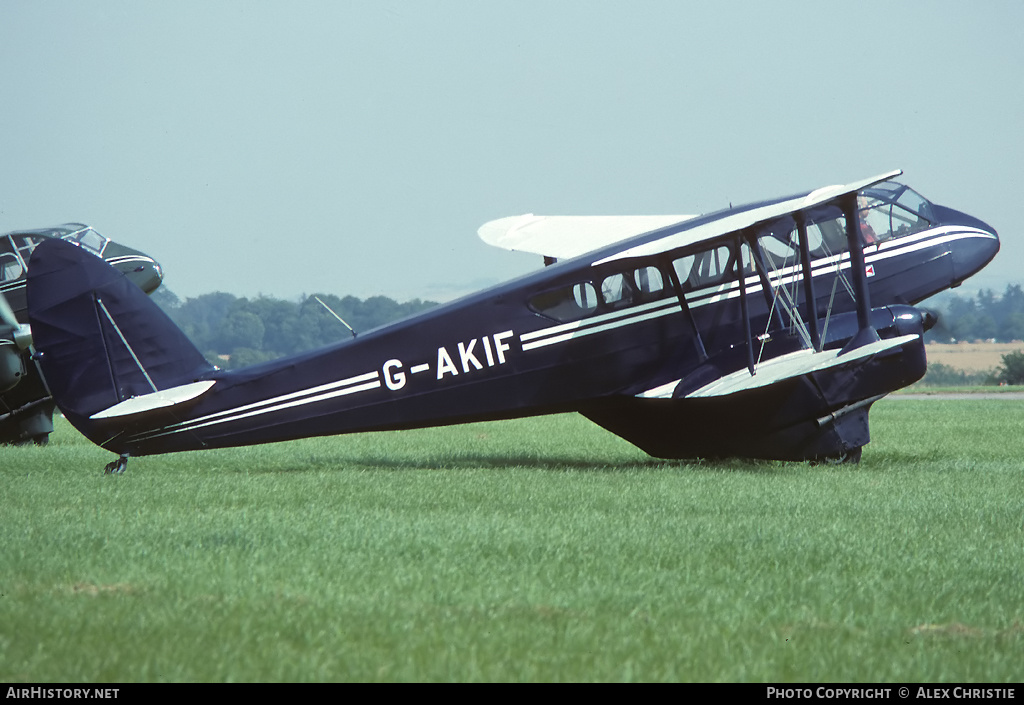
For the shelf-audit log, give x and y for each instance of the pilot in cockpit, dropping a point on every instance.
(867, 233)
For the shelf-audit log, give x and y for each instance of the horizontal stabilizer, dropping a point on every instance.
(781, 368)
(568, 236)
(156, 400)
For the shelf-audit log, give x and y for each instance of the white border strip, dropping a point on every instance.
(674, 307)
(359, 383)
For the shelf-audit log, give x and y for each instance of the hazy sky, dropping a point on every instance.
(282, 148)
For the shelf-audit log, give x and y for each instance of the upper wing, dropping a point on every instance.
(567, 236)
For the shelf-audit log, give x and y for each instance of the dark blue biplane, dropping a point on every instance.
(761, 331)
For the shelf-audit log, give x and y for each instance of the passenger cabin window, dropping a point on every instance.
(649, 281)
(703, 268)
(779, 243)
(616, 291)
(626, 288)
(569, 303)
(826, 234)
(711, 267)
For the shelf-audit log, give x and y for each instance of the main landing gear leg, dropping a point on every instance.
(118, 466)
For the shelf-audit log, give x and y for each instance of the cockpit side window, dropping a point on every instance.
(874, 220)
(26, 244)
(11, 265)
(89, 238)
(917, 204)
(911, 214)
(891, 210)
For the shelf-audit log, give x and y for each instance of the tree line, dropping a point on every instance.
(236, 332)
(984, 316)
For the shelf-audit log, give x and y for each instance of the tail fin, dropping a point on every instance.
(100, 340)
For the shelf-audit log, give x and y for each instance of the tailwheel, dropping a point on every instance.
(850, 457)
(117, 467)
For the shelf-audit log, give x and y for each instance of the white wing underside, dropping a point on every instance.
(567, 236)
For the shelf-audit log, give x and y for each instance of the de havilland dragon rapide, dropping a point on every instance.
(765, 330)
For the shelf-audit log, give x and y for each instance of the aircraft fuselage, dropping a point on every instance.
(632, 338)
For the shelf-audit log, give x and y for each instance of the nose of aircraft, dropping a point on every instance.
(975, 245)
(973, 252)
(141, 269)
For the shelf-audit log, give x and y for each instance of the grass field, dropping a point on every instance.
(540, 549)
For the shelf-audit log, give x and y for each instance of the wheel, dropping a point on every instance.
(117, 467)
(850, 457)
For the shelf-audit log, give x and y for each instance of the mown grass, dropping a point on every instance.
(539, 549)
(920, 388)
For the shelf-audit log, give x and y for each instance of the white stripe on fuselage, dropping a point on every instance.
(359, 383)
(599, 324)
(122, 259)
